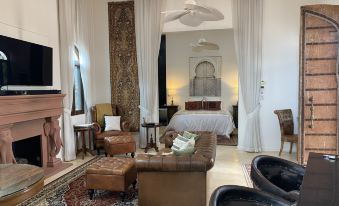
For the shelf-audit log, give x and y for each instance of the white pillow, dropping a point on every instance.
(112, 123)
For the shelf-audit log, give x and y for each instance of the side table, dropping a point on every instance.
(83, 129)
(149, 140)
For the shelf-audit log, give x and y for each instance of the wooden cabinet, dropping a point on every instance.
(318, 86)
(166, 113)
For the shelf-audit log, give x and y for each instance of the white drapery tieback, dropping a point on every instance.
(254, 113)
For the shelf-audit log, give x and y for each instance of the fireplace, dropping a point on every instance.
(28, 151)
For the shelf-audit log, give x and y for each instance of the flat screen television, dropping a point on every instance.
(24, 63)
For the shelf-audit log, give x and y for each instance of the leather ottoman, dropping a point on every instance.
(111, 173)
(120, 144)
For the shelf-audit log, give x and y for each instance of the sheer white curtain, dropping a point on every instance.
(148, 29)
(247, 23)
(84, 42)
(67, 39)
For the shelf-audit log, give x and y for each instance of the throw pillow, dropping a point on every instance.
(112, 123)
(183, 145)
(189, 135)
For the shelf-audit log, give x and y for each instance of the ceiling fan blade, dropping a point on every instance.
(190, 20)
(216, 14)
(174, 14)
(195, 7)
(197, 49)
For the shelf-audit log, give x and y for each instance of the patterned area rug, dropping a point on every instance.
(70, 190)
(246, 168)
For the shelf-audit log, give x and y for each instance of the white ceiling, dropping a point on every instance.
(224, 6)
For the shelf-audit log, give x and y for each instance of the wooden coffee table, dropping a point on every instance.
(19, 182)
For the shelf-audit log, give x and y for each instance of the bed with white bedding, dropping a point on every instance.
(219, 122)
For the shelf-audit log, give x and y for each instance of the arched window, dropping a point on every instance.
(78, 89)
(3, 69)
(205, 83)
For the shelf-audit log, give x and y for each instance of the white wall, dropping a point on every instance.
(280, 69)
(178, 51)
(33, 21)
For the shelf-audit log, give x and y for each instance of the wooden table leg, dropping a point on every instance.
(146, 148)
(83, 145)
(155, 140)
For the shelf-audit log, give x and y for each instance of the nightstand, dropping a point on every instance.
(166, 112)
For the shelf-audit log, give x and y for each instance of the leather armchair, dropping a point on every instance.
(277, 176)
(238, 195)
(99, 130)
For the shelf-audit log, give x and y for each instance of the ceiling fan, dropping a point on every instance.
(193, 14)
(203, 44)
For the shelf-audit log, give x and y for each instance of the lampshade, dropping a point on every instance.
(171, 92)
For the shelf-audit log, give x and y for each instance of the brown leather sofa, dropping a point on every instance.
(176, 180)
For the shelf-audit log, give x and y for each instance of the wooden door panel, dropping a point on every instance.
(323, 97)
(324, 35)
(321, 82)
(325, 142)
(321, 112)
(314, 21)
(321, 51)
(320, 127)
(320, 67)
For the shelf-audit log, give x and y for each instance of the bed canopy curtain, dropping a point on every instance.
(148, 29)
(75, 29)
(84, 42)
(67, 39)
(247, 23)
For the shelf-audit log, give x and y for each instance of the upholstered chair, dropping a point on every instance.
(238, 195)
(277, 176)
(285, 118)
(98, 112)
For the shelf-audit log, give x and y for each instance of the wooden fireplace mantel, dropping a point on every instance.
(25, 116)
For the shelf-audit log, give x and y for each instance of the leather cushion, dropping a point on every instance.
(194, 105)
(120, 139)
(212, 105)
(111, 133)
(111, 166)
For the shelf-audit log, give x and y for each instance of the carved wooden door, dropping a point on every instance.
(318, 89)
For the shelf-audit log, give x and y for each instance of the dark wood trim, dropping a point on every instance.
(319, 134)
(321, 43)
(320, 27)
(321, 149)
(320, 105)
(321, 74)
(321, 120)
(321, 58)
(321, 89)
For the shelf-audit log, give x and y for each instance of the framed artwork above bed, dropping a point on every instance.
(205, 76)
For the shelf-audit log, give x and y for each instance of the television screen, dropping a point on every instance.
(24, 63)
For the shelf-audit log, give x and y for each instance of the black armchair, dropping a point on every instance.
(277, 176)
(231, 195)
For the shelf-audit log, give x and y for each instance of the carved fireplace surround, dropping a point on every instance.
(26, 116)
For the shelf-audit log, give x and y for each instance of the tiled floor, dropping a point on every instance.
(226, 171)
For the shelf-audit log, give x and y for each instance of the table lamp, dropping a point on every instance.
(171, 93)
